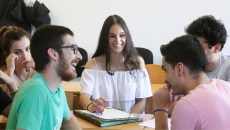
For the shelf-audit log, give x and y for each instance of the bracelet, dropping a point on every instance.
(160, 110)
(13, 93)
(88, 106)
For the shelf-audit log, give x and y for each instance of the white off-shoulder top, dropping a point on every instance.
(119, 90)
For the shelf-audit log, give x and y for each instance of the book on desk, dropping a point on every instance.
(110, 116)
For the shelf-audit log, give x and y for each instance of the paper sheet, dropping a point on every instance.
(110, 113)
(151, 123)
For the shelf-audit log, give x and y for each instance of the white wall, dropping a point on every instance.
(151, 22)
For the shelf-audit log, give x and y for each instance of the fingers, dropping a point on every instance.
(103, 99)
(12, 56)
(97, 108)
(28, 65)
(98, 105)
(27, 69)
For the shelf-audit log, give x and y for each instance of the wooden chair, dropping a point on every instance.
(73, 101)
(69, 97)
(76, 105)
(156, 76)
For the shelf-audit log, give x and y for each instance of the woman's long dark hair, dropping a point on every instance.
(130, 53)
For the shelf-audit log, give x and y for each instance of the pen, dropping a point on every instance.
(101, 111)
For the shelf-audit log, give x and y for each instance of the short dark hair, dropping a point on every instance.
(8, 35)
(188, 50)
(211, 29)
(130, 53)
(47, 36)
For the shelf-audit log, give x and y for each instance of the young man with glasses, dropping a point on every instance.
(40, 102)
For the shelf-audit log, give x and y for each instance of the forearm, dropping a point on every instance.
(12, 88)
(84, 100)
(161, 120)
(10, 72)
(72, 124)
(139, 106)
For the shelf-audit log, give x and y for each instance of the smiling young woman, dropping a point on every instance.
(116, 75)
(15, 58)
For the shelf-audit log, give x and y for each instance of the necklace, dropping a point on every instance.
(20, 78)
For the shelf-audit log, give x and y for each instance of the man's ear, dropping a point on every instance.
(180, 68)
(217, 48)
(52, 54)
(5, 54)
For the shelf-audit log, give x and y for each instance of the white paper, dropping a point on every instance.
(110, 113)
(151, 123)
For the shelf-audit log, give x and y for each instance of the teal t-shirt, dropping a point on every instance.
(35, 106)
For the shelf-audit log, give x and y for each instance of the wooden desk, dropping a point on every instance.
(87, 125)
(71, 87)
(3, 121)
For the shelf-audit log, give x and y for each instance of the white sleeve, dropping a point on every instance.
(87, 81)
(143, 85)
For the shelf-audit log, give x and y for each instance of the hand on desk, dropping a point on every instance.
(163, 99)
(97, 105)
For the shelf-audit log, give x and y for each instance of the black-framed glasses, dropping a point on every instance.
(73, 47)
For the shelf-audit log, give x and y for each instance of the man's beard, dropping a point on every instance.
(63, 70)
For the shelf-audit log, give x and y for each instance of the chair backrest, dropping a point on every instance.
(81, 65)
(156, 74)
(146, 54)
(70, 100)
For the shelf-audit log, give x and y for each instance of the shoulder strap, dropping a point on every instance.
(95, 63)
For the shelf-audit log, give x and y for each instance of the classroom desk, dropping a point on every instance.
(3, 121)
(88, 125)
(71, 87)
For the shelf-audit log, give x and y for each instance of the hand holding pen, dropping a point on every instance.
(97, 105)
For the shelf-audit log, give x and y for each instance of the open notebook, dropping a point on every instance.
(110, 116)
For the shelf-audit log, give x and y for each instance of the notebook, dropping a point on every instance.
(110, 116)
